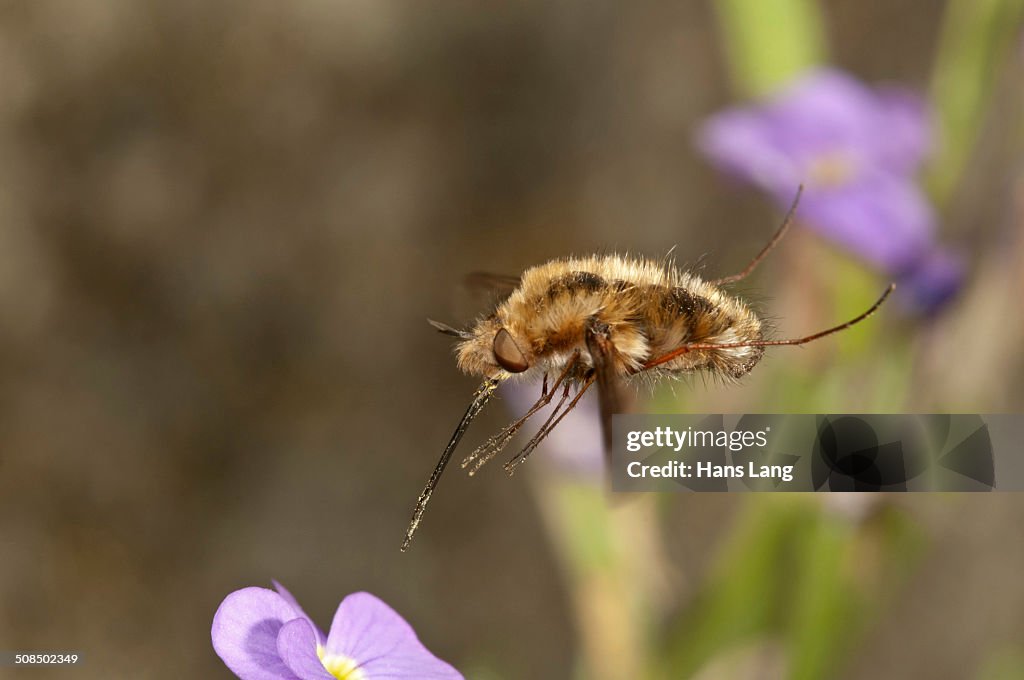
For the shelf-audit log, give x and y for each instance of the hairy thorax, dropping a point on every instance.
(650, 309)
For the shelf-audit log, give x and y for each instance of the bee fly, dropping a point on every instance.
(601, 320)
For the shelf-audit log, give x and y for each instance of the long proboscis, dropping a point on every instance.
(480, 398)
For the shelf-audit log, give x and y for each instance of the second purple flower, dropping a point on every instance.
(857, 151)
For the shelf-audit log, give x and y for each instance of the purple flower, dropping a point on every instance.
(264, 635)
(856, 151)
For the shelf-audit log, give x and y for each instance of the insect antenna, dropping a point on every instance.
(480, 398)
(448, 330)
(548, 426)
(483, 453)
(769, 343)
(786, 222)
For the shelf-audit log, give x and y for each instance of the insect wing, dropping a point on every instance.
(499, 286)
(498, 283)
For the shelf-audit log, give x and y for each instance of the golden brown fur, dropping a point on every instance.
(650, 308)
(596, 320)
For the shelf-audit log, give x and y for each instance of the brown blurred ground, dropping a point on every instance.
(222, 225)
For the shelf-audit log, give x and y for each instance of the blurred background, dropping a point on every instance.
(223, 225)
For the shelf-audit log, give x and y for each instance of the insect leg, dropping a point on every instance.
(495, 444)
(551, 416)
(696, 346)
(548, 426)
(768, 248)
(602, 355)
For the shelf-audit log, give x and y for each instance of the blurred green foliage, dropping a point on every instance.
(978, 39)
(799, 579)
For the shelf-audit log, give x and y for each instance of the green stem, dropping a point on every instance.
(768, 42)
(976, 37)
(822, 612)
(611, 556)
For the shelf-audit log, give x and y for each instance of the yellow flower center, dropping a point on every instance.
(831, 170)
(341, 667)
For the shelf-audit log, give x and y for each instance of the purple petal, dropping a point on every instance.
(855, 149)
(885, 220)
(290, 599)
(932, 281)
(825, 115)
(825, 109)
(741, 143)
(296, 644)
(907, 136)
(382, 643)
(828, 110)
(245, 630)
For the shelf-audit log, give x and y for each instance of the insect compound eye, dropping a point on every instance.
(508, 354)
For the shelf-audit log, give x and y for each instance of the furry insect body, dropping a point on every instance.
(649, 308)
(601, 320)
